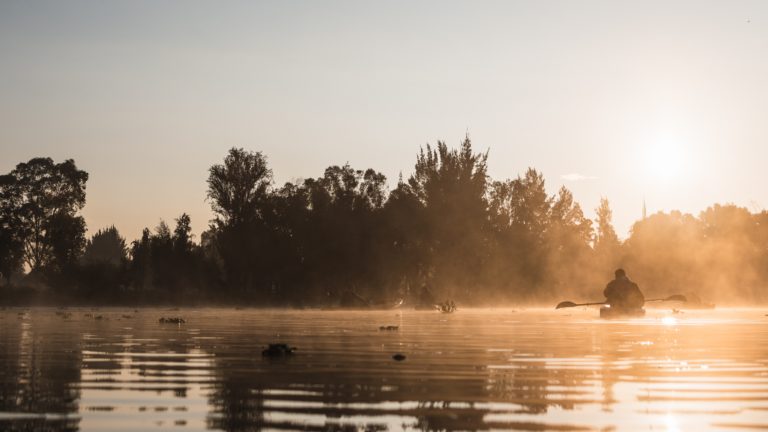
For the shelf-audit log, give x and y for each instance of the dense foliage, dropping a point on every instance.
(448, 226)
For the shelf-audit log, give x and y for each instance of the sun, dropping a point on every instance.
(666, 161)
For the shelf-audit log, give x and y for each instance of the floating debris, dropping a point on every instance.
(398, 357)
(389, 328)
(172, 320)
(278, 350)
(447, 306)
(127, 316)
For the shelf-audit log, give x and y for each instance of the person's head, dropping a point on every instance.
(620, 273)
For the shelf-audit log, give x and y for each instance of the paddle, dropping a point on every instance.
(567, 304)
(676, 297)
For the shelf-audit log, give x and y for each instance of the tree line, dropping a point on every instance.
(448, 228)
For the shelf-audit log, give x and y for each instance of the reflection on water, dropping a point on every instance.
(114, 369)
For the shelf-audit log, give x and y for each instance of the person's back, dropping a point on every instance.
(623, 293)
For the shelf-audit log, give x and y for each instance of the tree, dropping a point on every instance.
(451, 185)
(606, 240)
(529, 205)
(106, 246)
(521, 210)
(607, 245)
(663, 250)
(11, 229)
(66, 236)
(568, 235)
(49, 196)
(237, 187)
(182, 234)
(238, 191)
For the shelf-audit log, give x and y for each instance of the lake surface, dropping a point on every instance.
(118, 369)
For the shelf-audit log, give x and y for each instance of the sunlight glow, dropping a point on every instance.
(669, 321)
(666, 160)
(671, 423)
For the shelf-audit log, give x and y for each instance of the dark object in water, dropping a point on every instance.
(389, 328)
(127, 316)
(609, 312)
(447, 306)
(278, 350)
(172, 320)
(398, 357)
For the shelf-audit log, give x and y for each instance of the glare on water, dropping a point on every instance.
(526, 369)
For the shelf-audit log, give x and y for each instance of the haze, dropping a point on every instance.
(631, 101)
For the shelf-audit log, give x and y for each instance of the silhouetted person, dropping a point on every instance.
(623, 293)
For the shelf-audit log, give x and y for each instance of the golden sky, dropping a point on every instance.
(656, 100)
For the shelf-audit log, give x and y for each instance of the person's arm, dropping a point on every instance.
(639, 293)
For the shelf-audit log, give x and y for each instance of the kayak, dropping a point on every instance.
(608, 312)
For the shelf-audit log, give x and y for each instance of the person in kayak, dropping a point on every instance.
(622, 293)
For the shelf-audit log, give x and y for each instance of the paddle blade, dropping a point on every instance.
(676, 297)
(565, 304)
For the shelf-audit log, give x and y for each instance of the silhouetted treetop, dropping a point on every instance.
(238, 186)
(106, 246)
(605, 235)
(443, 175)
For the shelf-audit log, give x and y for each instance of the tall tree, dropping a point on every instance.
(605, 235)
(237, 187)
(530, 205)
(182, 234)
(451, 184)
(608, 248)
(238, 191)
(569, 235)
(50, 195)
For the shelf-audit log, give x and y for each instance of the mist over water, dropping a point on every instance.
(524, 369)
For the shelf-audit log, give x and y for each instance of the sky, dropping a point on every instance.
(658, 101)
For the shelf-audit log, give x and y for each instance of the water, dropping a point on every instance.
(475, 369)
